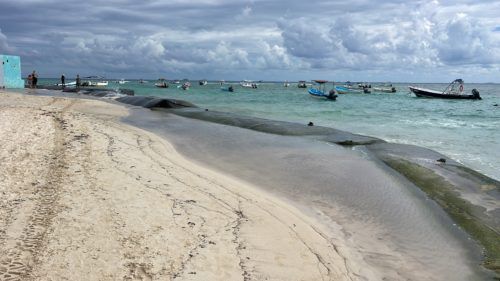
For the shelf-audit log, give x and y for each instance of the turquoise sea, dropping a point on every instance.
(467, 131)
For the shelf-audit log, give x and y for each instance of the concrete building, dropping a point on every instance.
(10, 72)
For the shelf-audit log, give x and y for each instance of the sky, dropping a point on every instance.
(274, 40)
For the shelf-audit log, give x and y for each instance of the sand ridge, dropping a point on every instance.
(85, 197)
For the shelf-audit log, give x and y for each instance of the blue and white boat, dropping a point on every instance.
(346, 90)
(319, 90)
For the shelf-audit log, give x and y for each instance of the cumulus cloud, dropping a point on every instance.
(463, 41)
(4, 47)
(420, 39)
(205, 36)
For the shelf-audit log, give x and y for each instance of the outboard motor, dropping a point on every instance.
(332, 95)
(475, 94)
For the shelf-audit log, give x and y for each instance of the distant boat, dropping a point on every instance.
(203, 82)
(346, 90)
(186, 85)
(248, 84)
(320, 90)
(455, 90)
(143, 81)
(101, 83)
(122, 81)
(228, 89)
(68, 84)
(286, 84)
(161, 83)
(302, 84)
(384, 88)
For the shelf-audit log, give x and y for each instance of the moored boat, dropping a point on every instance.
(203, 82)
(228, 89)
(248, 84)
(455, 90)
(384, 88)
(186, 85)
(302, 84)
(161, 83)
(101, 83)
(320, 91)
(346, 90)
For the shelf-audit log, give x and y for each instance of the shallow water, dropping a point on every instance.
(391, 227)
(385, 220)
(467, 131)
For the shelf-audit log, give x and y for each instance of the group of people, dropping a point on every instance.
(32, 80)
(77, 81)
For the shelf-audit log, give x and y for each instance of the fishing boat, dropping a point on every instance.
(388, 88)
(203, 82)
(302, 84)
(286, 84)
(161, 83)
(345, 90)
(248, 84)
(186, 85)
(320, 91)
(101, 83)
(455, 90)
(227, 89)
(69, 84)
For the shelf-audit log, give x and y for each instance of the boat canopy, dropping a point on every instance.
(321, 81)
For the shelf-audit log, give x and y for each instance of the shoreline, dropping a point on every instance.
(359, 264)
(85, 195)
(468, 192)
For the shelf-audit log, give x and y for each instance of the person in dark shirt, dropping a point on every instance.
(34, 78)
(63, 80)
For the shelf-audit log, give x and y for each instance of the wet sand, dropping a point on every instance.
(86, 196)
(393, 229)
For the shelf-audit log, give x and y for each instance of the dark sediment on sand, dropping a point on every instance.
(470, 198)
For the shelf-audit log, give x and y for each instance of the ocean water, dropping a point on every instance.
(388, 226)
(465, 130)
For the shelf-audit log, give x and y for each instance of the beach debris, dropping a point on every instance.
(310, 124)
(441, 160)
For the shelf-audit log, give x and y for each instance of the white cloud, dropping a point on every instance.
(225, 55)
(390, 36)
(4, 47)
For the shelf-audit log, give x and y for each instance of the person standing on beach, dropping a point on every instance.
(34, 78)
(78, 81)
(30, 81)
(63, 80)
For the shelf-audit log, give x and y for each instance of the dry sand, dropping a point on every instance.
(85, 197)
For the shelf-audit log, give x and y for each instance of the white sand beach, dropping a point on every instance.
(86, 197)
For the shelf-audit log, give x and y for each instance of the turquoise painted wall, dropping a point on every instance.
(11, 72)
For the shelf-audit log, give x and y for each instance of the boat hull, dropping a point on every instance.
(317, 93)
(423, 93)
